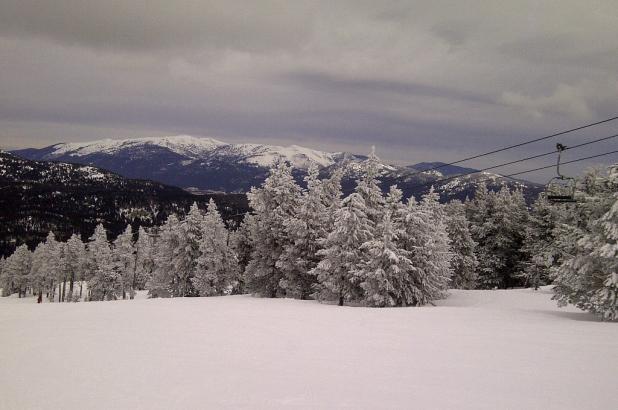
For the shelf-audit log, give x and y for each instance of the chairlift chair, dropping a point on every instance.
(560, 189)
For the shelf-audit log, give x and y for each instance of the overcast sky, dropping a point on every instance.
(421, 80)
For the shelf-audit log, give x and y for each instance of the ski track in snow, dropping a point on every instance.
(475, 350)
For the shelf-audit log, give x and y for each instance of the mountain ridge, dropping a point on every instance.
(211, 165)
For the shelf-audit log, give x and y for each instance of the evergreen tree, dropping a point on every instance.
(385, 268)
(499, 235)
(464, 262)
(106, 281)
(75, 255)
(306, 229)
(588, 275)
(434, 260)
(39, 274)
(187, 252)
(18, 268)
(274, 204)
(538, 247)
(144, 260)
(368, 187)
(342, 252)
(217, 267)
(163, 281)
(242, 246)
(124, 258)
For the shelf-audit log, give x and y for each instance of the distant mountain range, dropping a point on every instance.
(36, 197)
(209, 165)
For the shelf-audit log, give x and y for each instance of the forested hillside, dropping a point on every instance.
(37, 197)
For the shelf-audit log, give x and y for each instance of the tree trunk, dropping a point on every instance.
(52, 295)
(81, 284)
(64, 289)
(40, 298)
(71, 281)
(341, 300)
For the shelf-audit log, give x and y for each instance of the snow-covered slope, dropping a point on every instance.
(476, 350)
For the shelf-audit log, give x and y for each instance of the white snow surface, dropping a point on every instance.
(476, 350)
(202, 148)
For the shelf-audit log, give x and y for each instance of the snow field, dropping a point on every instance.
(477, 349)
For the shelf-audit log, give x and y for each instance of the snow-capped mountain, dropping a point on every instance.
(208, 164)
(203, 164)
(195, 149)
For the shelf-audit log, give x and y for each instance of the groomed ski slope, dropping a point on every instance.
(475, 350)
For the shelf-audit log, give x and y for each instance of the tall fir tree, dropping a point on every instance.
(368, 187)
(75, 255)
(342, 252)
(18, 267)
(306, 229)
(464, 262)
(498, 228)
(124, 258)
(242, 246)
(217, 268)
(105, 282)
(538, 245)
(187, 252)
(588, 275)
(163, 282)
(275, 203)
(385, 267)
(39, 274)
(144, 259)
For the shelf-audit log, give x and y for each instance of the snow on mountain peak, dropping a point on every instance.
(181, 144)
(202, 148)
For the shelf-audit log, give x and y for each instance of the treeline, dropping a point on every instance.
(365, 249)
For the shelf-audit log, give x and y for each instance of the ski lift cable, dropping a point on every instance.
(562, 163)
(515, 162)
(520, 144)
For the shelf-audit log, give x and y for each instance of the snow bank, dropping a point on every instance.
(477, 350)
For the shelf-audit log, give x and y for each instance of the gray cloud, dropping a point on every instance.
(421, 80)
(157, 24)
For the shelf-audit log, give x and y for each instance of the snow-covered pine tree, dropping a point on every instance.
(163, 280)
(242, 246)
(217, 268)
(306, 229)
(331, 196)
(437, 254)
(39, 278)
(477, 212)
(105, 283)
(368, 187)
(500, 238)
(75, 264)
(342, 252)
(274, 204)
(539, 244)
(385, 267)
(18, 268)
(184, 258)
(588, 276)
(464, 262)
(124, 258)
(144, 261)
